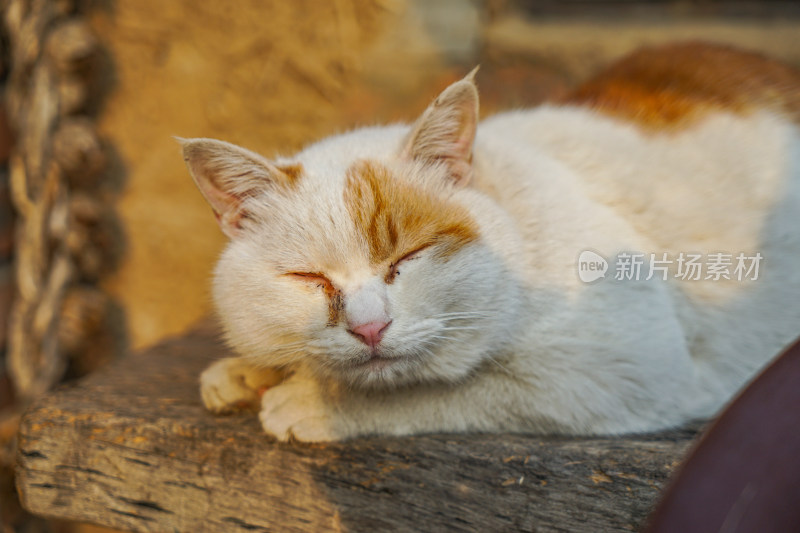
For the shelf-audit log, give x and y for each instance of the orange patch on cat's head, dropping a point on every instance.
(292, 172)
(394, 218)
(671, 85)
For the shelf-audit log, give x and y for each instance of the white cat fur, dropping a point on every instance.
(533, 349)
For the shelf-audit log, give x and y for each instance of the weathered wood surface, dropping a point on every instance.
(132, 448)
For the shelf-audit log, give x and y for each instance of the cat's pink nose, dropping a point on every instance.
(370, 333)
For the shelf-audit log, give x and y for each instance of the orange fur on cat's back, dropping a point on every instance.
(672, 85)
(395, 218)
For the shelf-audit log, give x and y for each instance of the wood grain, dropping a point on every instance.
(131, 447)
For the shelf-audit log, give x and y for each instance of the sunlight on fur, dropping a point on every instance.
(407, 279)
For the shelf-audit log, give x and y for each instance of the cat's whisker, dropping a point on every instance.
(294, 344)
(461, 328)
(461, 316)
(498, 364)
(461, 313)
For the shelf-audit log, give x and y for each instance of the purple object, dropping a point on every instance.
(744, 474)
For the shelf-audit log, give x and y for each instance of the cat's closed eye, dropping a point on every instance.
(394, 268)
(320, 280)
(313, 278)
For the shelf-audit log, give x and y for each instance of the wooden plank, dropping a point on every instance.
(131, 447)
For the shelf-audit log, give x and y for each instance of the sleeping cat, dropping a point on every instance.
(456, 276)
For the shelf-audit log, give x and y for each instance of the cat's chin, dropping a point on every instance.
(375, 363)
(375, 371)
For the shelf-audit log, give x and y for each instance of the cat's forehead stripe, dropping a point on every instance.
(672, 85)
(395, 218)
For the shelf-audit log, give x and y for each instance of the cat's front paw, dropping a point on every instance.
(298, 410)
(232, 384)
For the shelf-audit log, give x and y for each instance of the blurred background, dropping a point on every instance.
(105, 244)
(273, 76)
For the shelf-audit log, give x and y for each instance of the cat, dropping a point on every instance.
(436, 277)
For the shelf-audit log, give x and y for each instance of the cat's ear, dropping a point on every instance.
(445, 132)
(227, 175)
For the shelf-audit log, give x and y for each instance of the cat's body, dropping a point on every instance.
(409, 281)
